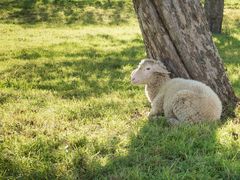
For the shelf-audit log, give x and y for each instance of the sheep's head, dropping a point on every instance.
(147, 69)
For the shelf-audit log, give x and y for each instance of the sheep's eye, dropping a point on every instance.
(147, 68)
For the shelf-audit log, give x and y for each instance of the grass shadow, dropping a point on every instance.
(157, 151)
(185, 152)
(67, 12)
(229, 51)
(79, 75)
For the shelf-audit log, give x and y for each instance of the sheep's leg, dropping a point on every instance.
(168, 113)
(157, 107)
(173, 121)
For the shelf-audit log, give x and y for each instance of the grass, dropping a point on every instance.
(68, 110)
(66, 12)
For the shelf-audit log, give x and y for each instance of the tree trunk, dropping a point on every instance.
(177, 33)
(214, 13)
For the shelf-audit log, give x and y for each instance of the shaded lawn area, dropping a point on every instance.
(66, 12)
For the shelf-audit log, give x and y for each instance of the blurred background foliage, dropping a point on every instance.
(66, 11)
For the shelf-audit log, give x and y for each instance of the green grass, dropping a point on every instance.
(66, 11)
(68, 110)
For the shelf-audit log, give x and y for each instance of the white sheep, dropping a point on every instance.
(179, 99)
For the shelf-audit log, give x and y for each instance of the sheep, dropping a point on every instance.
(181, 100)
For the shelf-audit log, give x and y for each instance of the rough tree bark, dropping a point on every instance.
(214, 13)
(177, 33)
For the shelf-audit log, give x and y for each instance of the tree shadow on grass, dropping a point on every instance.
(185, 152)
(67, 12)
(157, 151)
(228, 47)
(229, 50)
(88, 72)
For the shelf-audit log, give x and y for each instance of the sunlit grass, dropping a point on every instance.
(61, 85)
(66, 12)
(228, 44)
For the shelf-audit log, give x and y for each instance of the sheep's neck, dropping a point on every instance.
(153, 87)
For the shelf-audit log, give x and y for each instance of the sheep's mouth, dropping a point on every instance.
(136, 82)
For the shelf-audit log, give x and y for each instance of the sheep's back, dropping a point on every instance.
(178, 84)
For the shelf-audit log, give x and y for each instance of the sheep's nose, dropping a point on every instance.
(133, 79)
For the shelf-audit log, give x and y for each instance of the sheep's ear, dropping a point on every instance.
(161, 68)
